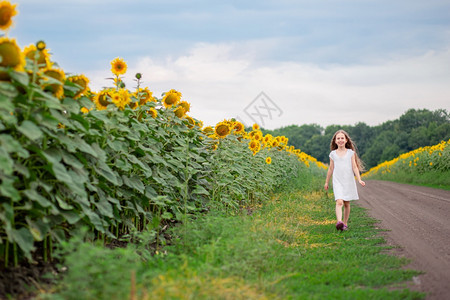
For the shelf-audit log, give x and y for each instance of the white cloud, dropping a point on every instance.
(220, 80)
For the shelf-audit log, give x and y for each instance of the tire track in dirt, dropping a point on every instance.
(418, 220)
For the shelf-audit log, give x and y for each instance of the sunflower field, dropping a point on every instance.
(116, 161)
(425, 165)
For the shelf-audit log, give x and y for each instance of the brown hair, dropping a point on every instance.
(349, 145)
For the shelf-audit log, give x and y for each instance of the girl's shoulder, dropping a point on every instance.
(350, 151)
(332, 153)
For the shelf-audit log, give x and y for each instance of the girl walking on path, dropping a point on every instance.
(344, 166)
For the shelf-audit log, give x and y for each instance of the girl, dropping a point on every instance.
(344, 165)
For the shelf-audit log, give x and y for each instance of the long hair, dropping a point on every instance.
(349, 145)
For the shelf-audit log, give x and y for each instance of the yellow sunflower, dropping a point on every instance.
(191, 121)
(268, 160)
(255, 126)
(171, 98)
(186, 106)
(179, 112)
(144, 95)
(55, 88)
(11, 56)
(7, 11)
(258, 135)
(152, 112)
(238, 127)
(43, 56)
(208, 130)
(118, 66)
(121, 98)
(222, 129)
(252, 145)
(103, 99)
(82, 81)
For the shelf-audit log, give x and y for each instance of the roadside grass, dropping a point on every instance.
(286, 249)
(439, 180)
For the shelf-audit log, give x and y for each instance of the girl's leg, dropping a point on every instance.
(339, 204)
(346, 211)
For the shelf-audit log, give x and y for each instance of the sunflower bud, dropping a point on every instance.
(40, 45)
(138, 76)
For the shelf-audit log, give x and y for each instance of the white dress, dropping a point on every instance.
(344, 184)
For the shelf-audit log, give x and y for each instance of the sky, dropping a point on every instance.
(276, 63)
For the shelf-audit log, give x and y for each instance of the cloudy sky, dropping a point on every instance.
(277, 62)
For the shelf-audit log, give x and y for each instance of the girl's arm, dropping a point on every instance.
(329, 173)
(356, 170)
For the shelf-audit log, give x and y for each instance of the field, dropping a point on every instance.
(128, 196)
(424, 166)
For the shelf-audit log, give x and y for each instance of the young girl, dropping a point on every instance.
(344, 165)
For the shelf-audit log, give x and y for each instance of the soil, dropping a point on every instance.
(417, 220)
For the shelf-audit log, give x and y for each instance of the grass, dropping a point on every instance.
(439, 180)
(286, 249)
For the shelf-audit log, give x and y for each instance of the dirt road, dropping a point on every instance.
(418, 220)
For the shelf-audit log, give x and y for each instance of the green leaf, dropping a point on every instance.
(35, 196)
(63, 204)
(134, 182)
(105, 208)
(71, 216)
(20, 77)
(30, 130)
(38, 228)
(200, 190)
(61, 173)
(49, 100)
(80, 119)
(71, 105)
(6, 163)
(7, 189)
(104, 170)
(12, 145)
(8, 90)
(85, 147)
(71, 160)
(24, 239)
(93, 218)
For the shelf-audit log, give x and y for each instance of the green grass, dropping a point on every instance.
(286, 249)
(439, 180)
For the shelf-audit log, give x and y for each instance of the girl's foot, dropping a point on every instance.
(345, 227)
(340, 225)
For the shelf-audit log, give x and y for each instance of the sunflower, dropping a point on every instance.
(82, 81)
(179, 112)
(144, 95)
(11, 56)
(191, 121)
(186, 106)
(152, 112)
(118, 66)
(7, 11)
(199, 124)
(171, 98)
(103, 99)
(258, 135)
(268, 160)
(56, 88)
(255, 126)
(85, 110)
(222, 129)
(252, 145)
(208, 130)
(238, 127)
(121, 98)
(42, 59)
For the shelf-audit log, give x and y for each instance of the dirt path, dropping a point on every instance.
(419, 222)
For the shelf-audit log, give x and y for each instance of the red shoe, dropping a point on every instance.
(340, 225)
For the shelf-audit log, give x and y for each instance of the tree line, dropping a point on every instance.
(376, 144)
